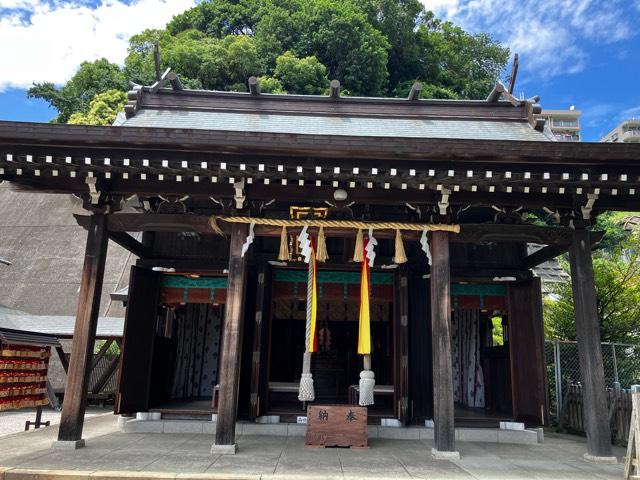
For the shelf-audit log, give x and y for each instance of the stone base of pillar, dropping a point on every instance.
(67, 444)
(600, 460)
(439, 455)
(224, 449)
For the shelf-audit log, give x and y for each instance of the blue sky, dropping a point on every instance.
(584, 53)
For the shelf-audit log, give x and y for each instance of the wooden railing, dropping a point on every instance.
(618, 401)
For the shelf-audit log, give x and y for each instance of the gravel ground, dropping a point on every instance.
(13, 421)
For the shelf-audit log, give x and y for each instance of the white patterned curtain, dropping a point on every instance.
(197, 337)
(468, 380)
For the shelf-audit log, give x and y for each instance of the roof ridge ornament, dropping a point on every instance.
(254, 85)
(414, 94)
(134, 100)
(334, 89)
(500, 91)
(167, 76)
(514, 73)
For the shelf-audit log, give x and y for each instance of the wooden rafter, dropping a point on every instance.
(553, 250)
(80, 141)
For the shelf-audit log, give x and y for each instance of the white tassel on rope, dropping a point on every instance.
(306, 392)
(367, 383)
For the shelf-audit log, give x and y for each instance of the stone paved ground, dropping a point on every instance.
(13, 421)
(560, 457)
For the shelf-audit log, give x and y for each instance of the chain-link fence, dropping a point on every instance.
(621, 367)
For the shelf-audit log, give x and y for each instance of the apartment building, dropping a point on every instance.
(627, 132)
(564, 124)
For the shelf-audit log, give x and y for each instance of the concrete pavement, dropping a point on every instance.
(111, 454)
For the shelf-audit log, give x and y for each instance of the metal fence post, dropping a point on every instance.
(558, 375)
(615, 363)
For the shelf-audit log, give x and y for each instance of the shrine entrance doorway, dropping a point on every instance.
(336, 365)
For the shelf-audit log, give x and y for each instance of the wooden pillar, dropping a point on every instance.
(259, 377)
(443, 412)
(84, 335)
(229, 378)
(596, 418)
(401, 343)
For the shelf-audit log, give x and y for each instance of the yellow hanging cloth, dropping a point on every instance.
(313, 338)
(364, 326)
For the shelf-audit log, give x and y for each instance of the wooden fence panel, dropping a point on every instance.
(619, 402)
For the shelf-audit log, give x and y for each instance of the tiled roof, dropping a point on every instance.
(631, 222)
(550, 271)
(337, 125)
(45, 244)
(56, 325)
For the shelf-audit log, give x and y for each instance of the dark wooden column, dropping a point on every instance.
(401, 343)
(443, 413)
(589, 350)
(231, 344)
(84, 334)
(259, 375)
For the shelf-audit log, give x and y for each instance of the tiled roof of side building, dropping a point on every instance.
(56, 325)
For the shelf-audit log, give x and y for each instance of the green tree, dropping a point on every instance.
(617, 279)
(462, 63)
(611, 223)
(401, 21)
(75, 96)
(337, 33)
(201, 61)
(270, 85)
(497, 332)
(374, 47)
(102, 109)
(220, 18)
(301, 75)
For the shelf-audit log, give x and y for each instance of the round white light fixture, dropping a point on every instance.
(340, 195)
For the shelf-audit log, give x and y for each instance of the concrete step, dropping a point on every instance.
(208, 427)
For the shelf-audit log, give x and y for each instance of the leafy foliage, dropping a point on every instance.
(75, 96)
(301, 75)
(497, 332)
(617, 279)
(611, 224)
(374, 47)
(102, 109)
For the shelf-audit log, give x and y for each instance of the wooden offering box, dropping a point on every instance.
(336, 426)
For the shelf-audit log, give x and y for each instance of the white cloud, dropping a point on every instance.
(633, 112)
(549, 35)
(9, 4)
(443, 8)
(56, 37)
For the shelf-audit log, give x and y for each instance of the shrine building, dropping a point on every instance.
(330, 250)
